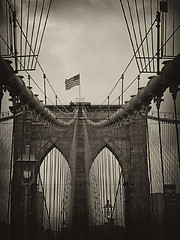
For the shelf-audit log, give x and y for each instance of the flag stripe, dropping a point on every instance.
(71, 82)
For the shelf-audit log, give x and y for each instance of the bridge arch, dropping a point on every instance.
(106, 182)
(48, 146)
(54, 181)
(119, 153)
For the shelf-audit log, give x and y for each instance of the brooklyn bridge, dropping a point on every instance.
(84, 170)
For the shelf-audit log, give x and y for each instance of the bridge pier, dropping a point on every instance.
(80, 222)
(139, 192)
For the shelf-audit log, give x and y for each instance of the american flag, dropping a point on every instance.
(72, 82)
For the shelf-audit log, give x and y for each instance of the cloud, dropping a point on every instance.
(85, 42)
(90, 37)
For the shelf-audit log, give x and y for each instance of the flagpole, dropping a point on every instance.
(79, 90)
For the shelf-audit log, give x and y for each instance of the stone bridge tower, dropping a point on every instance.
(80, 143)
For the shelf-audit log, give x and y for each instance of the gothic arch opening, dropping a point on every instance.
(107, 201)
(54, 190)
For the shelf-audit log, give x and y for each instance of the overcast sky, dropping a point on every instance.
(87, 37)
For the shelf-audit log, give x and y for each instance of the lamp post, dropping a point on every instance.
(108, 210)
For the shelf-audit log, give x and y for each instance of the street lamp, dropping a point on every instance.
(28, 175)
(108, 210)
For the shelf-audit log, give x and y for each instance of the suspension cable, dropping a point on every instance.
(145, 66)
(145, 26)
(139, 28)
(133, 27)
(29, 43)
(129, 32)
(122, 75)
(33, 27)
(44, 29)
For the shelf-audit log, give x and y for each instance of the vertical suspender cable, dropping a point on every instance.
(106, 180)
(59, 199)
(97, 196)
(57, 191)
(122, 77)
(15, 40)
(119, 103)
(108, 108)
(150, 173)
(50, 185)
(47, 163)
(100, 184)
(113, 161)
(152, 36)
(62, 194)
(174, 11)
(44, 183)
(103, 179)
(162, 34)
(10, 23)
(44, 174)
(29, 190)
(45, 202)
(158, 103)
(21, 21)
(10, 180)
(160, 141)
(7, 29)
(45, 96)
(21, 160)
(115, 166)
(158, 41)
(165, 32)
(53, 188)
(138, 80)
(110, 176)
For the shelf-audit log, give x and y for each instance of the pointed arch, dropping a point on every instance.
(120, 154)
(107, 187)
(48, 146)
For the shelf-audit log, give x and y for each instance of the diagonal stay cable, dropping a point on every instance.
(134, 31)
(139, 28)
(27, 29)
(129, 64)
(125, 17)
(147, 64)
(145, 26)
(33, 27)
(40, 20)
(44, 29)
(21, 65)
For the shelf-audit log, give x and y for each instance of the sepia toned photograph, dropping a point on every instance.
(89, 119)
